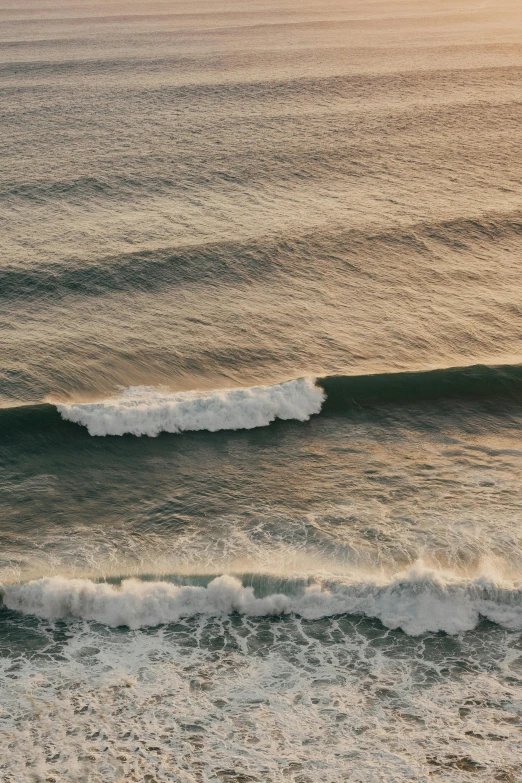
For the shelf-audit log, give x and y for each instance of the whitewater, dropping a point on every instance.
(419, 601)
(148, 411)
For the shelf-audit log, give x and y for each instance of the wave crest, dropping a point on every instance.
(418, 601)
(144, 410)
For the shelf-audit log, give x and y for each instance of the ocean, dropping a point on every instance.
(260, 391)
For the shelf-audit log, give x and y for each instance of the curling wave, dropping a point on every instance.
(418, 601)
(147, 411)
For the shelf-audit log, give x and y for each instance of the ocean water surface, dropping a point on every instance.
(260, 391)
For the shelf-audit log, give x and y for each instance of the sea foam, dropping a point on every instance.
(143, 410)
(418, 601)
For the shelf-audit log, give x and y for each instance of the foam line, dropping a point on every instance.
(417, 601)
(144, 410)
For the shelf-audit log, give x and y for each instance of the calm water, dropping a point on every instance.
(260, 391)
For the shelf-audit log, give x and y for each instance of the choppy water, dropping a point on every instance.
(260, 386)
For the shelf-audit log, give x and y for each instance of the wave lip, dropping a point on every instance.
(143, 410)
(418, 601)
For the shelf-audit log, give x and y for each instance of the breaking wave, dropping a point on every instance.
(148, 411)
(418, 601)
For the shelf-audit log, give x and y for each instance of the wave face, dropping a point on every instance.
(418, 601)
(477, 382)
(146, 411)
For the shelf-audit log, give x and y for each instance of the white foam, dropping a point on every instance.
(143, 410)
(417, 601)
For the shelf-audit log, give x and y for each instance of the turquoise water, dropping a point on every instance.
(260, 389)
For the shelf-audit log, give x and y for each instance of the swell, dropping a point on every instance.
(377, 86)
(332, 145)
(149, 411)
(418, 601)
(229, 263)
(209, 263)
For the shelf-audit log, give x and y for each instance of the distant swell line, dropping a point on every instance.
(235, 262)
(419, 601)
